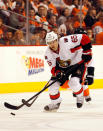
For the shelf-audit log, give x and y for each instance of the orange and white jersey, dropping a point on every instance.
(42, 21)
(70, 51)
(97, 28)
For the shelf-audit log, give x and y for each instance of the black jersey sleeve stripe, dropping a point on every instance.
(87, 46)
(76, 48)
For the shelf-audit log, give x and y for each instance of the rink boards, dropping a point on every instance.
(24, 69)
(37, 86)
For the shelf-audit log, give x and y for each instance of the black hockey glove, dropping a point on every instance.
(88, 80)
(61, 77)
(90, 76)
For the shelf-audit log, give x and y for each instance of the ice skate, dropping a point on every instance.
(80, 101)
(52, 107)
(88, 98)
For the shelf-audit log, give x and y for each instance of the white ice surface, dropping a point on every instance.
(68, 117)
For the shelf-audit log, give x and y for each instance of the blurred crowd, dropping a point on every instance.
(25, 22)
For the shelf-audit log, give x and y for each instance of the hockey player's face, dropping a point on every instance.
(53, 45)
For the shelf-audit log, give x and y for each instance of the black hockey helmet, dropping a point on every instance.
(79, 31)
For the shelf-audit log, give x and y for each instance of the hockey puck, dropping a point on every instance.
(12, 114)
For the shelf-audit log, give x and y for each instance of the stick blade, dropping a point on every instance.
(7, 105)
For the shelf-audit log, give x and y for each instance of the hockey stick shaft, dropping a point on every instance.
(21, 105)
(29, 104)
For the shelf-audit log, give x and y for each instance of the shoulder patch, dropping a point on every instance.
(65, 40)
(46, 57)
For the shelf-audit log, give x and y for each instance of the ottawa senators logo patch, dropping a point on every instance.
(63, 63)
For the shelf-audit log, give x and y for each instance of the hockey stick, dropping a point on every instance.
(18, 107)
(29, 104)
(13, 107)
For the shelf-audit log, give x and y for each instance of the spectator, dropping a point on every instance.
(75, 10)
(63, 18)
(35, 38)
(8, 38)
(52, 21)
(99, 4)
(86, 5)
(90, 18)
(2, 41)
(90, 34)
(98, 26)
(32, 16)
(38, 37)
(42, 15)
(19, 38)
(33, 22)
(17, 21)
(43, 33)
(69, 25)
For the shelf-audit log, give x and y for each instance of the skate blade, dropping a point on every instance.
(55, 110)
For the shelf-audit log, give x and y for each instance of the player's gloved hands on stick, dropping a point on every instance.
(62, 77)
